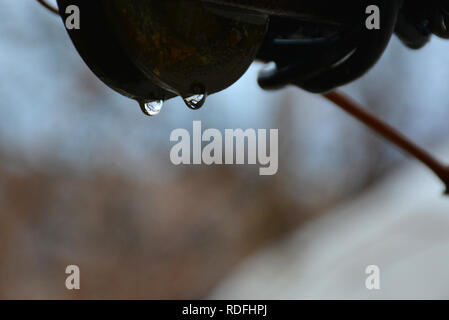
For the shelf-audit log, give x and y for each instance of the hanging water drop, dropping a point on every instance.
(151, 108)
(196, 101)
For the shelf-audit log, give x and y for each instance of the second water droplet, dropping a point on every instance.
(196, 101)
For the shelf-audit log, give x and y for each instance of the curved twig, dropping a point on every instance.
(391, 134)
(48, 6)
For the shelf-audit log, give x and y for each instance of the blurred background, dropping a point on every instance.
(85, 179)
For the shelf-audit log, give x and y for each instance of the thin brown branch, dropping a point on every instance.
(48, 6)
(391, 134)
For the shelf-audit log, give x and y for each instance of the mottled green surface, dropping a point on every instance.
(185, 45)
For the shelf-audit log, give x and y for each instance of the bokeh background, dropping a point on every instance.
(85, 179)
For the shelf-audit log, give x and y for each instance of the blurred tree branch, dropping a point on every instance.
(391, 134)
(48, 6)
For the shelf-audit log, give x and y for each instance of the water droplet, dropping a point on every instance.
(151, 108)
(196, 101)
